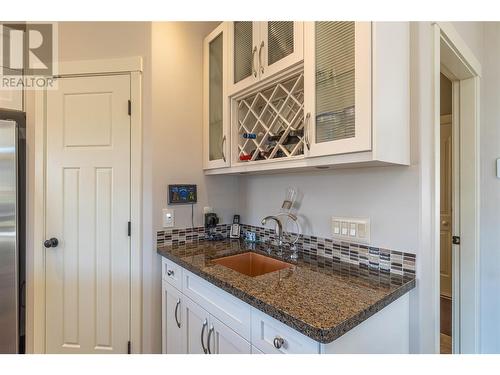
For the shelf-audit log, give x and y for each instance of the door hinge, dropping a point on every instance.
(129, 228)
(129, 107)
(456, 240)
(129, 347)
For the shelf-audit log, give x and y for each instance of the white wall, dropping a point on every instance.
(490, 192)
(177, 99)
(385, 194)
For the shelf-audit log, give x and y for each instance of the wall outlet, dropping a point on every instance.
(351, 229)
(168, 218)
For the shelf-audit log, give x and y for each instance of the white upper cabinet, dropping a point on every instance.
(215, 107)
(356, 90)
(258, 50)
(281, 46)
(337, 87)
(316, 95)
(243, 48)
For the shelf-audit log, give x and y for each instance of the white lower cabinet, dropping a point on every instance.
(223, 340)
(173, 320)
(190, 327)
(200, 318)
(196, 328)
(205, 334)
(273, 337)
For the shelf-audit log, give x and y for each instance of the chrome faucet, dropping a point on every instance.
(280, 227)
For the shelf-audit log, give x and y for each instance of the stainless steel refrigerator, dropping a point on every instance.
(12, 231)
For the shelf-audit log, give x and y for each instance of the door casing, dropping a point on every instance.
(134, 67)
(454, 58)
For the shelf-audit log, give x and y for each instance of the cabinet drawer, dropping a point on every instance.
(228, 309)
(171, 273)
(266, 329)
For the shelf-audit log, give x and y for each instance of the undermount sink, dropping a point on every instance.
(252, 264)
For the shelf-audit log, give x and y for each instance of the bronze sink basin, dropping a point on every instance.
(252, 264)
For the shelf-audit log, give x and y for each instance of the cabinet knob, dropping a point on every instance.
(170, 272)
(278, 342)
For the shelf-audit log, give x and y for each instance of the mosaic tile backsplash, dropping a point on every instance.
(365, 256)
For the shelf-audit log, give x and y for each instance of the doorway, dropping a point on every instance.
(447, 210)
(456, 193)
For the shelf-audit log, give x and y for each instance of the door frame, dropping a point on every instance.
(453, 57)
(132, 66)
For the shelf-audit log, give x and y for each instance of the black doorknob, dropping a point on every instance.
(53, 242)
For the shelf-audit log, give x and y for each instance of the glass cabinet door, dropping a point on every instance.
(215, 123)
(243, 42)
(281, 46)
(335, 116)
(215, 93)
(243, 50)
(338, 108)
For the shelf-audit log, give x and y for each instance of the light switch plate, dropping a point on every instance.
(351, 229)
(168, 218)
(498, 168)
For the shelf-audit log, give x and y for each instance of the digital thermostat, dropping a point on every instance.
(182, 194)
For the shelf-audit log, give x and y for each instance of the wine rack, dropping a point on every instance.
(271, 122)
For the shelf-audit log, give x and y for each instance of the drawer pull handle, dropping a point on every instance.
(278, 342)
(170, 272)
(205, 323)
(175, 313)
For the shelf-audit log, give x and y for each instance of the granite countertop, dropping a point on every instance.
(319, 297)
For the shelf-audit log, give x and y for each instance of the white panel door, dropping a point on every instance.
(172, 320)
(223, 340)
(87, 210)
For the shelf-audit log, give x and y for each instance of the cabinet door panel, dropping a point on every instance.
(172, 320)
(196, 328)
(223, 340)
(243, 46)
(337, 68)
(215, 106)
(281, 46)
